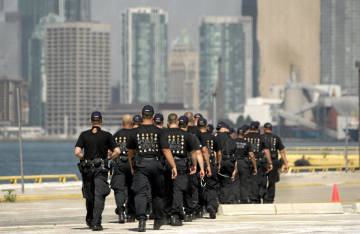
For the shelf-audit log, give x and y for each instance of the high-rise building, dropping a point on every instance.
(289, 40)
(225, 47)
(340, 44)
(37, 76)
(144, 56)
(183, 85)
(249, 8)
(78, 74)
(10, 54)
(32, 11)
(77, 10)
(9, 100)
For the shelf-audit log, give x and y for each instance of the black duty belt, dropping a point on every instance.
(227, 156)
(150, 158)
(179, 158)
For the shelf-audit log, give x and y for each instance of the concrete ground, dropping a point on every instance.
(66, 213)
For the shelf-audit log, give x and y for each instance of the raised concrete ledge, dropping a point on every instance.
(282, 209)
(357, 208)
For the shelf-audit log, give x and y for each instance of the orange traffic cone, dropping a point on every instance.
(335, 194)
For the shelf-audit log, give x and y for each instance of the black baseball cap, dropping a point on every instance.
(158, 118)
(221, 125)
(183, 120)
(147, 110)
(232, 130)
(96, 116)
(210, 127)
(243, 129)
(198, 115)
(137, 119)
(246, 127)
(268, 126)
(254, 125)
(202, 122)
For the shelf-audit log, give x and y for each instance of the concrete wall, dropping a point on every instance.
(288, 34)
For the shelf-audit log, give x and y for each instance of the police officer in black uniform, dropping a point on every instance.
(211, 181)
(276, 145)
(148, 141)
(264, 164)
(195, 179)
(159, 120)
(210, 129)
(244, 154)
(227, 164)
(121, 179)
(94, 168)
(137, 120)
(181, 143)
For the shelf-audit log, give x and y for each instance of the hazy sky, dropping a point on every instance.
(182, 14)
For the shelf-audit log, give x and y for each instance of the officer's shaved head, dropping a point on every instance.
(127, 120)
(172, 118)
(189, 115)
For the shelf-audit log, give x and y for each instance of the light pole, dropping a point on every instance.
(357, 64)
(20, 140)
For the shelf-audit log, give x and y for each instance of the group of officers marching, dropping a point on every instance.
(175, 174)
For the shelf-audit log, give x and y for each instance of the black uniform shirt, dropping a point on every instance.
(242, 148)
(121, 138)
(207, 139)
(180, 142)
(194, 130)
(96, 145)
(148, 141)
(257, 142)
(274, 142)
(221, 138)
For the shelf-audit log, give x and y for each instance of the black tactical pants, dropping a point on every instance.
(121, 182)
(149, 172)
(273, 177)
(181, 194)
(195, 183)
(258, 182)
(210, 190)
(227, 186)
(95, 189)
(244, 177)
(168, 184)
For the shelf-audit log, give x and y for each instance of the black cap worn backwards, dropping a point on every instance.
(202, 122)
(158, 118)
(268, 126)
(198, 115)
(183, 121)
(243, 129)
(137, 119)
(246, 127)
(96, 116)
(147, 110)
(221, 124)
(254, 125)
(210, 127)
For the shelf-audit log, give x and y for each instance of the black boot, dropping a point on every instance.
(142, 225)
(130, 219)
(188, 218)
(158, 223)
(175, 221)
(88, 223)
(121, 217)
(97, 227)
(212, 213)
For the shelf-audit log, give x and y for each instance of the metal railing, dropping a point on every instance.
(320, 169)
(322, 150)
(39, 178)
